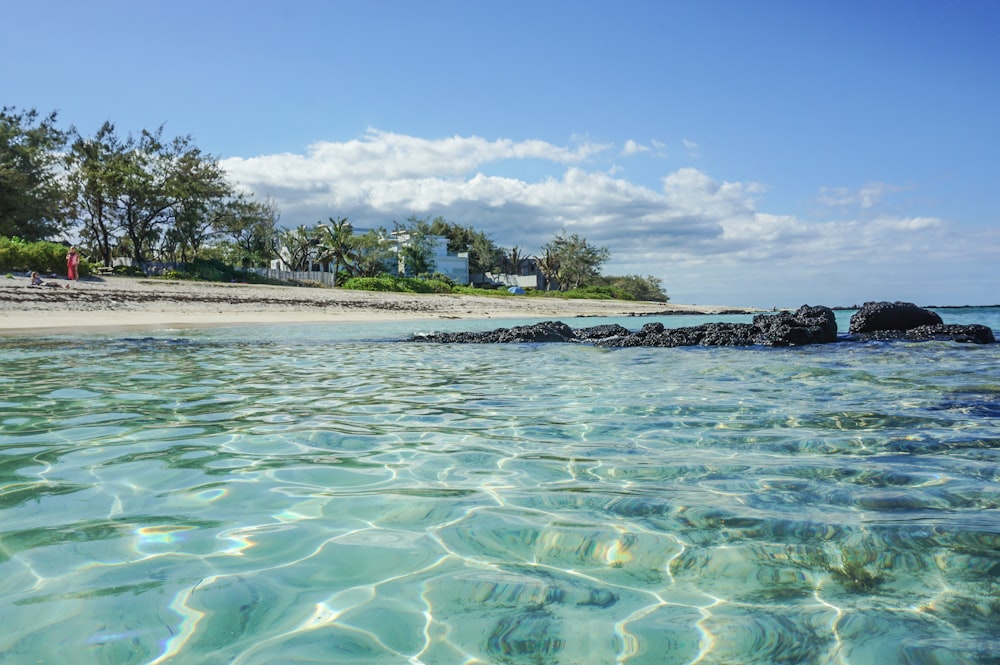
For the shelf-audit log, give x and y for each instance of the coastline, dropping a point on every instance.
(145, 303)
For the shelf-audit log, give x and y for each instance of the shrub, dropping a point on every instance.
(397, 284)
(384, 283)
(477, 291)
(43, 256)
(128, 271)
(598, 293)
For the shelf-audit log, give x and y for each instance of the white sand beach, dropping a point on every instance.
(128, 302)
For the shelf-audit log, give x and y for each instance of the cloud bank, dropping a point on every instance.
(708, 240)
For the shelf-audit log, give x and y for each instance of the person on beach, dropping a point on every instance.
(36, 280)
(72, 262)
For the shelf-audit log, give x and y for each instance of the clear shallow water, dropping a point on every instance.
(333, 495)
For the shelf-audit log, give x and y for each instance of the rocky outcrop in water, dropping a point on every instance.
(876, 316)
(885, 321)
(973, 333)
(808, 325)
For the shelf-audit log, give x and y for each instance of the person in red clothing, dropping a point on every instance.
(72, 262)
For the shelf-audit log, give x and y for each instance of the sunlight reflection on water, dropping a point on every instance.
(307, 494)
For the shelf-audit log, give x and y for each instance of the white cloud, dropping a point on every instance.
(868, 196)
(707, 239)
(633, 148)
(691, 147)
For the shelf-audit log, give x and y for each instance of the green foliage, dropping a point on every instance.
(43, 256)
(439, 277)
(297, 246)
(242, 230)
(337, 244)
(208, 270)
(637, 288)
(383, 283)
(417, 246)
(129, 271)
(373, 252)
(484, 255)
(436, 285)
(397, 284)
(159, 195)
(597, 293)
(570, 261)
(473, 291)
(32, 200)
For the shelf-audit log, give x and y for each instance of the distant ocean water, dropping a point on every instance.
(334, 494)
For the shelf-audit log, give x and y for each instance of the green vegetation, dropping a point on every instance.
(146, 198)
(43, 256)
(32, 202)
(212, 270)
(570, 261)
(398, 284)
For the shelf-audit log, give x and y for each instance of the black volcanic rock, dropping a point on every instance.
(808, 325)
(975, 334)
(546, 331)
(876, 316)
(603, 332)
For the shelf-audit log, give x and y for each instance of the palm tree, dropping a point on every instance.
(337, 244)
(549, 266)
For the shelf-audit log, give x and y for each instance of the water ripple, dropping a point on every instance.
(246, 497)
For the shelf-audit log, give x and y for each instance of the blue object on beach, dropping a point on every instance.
(516, 290)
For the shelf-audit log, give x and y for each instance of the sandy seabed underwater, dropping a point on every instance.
(336, 494)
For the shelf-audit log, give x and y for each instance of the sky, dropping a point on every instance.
(766, 153)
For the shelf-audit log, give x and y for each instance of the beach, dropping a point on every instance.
(129, 302)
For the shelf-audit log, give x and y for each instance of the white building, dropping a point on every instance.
(453, 266)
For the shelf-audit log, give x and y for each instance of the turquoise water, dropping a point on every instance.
(332, 494)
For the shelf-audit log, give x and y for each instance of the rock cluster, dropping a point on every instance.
(904, 320)
(808, 325)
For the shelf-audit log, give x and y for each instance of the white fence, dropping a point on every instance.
(301, 275)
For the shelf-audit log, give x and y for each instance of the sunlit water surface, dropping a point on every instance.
(318, 494)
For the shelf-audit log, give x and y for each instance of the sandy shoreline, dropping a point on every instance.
(127, 302)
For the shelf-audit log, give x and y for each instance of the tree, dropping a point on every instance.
(548, 265)
(248, 227)
(641, 288)
(510, 260)
(571, 260)
(416, 246)
(144, 195)
(297, 247)
(200, 190)
(337, 244)
(484, 255)
(32, 199)
(92, 182)
(194, 226)
(156, 178)
(372, 253)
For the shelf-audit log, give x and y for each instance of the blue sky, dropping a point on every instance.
(746, 153)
